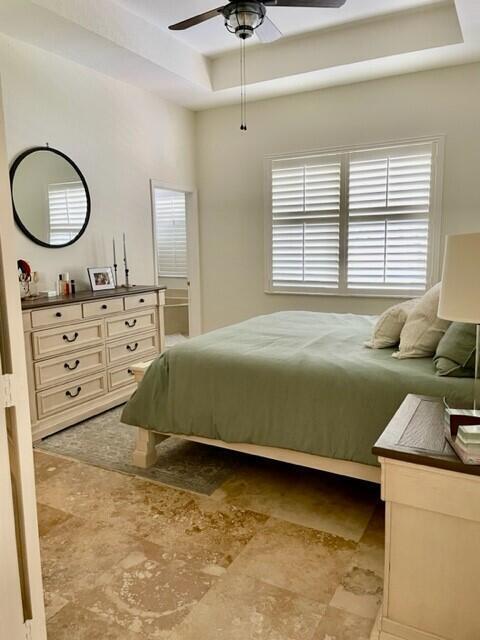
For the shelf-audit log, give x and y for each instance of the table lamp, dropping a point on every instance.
(460, 291)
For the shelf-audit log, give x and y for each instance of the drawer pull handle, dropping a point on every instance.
(104, 307)
(133, 323)
(70, 367)
(130, 372)
(67, 339)
(74, 394)
(142, 300)
(58, 314)
(134, 348)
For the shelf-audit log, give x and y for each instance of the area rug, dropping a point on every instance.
(105, 442)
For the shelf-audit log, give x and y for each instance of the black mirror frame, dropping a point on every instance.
(19, 222)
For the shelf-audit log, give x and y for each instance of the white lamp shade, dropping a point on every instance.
(460, 292)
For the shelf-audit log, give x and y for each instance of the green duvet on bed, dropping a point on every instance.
(294, 379)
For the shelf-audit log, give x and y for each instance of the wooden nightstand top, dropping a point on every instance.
(415, 434)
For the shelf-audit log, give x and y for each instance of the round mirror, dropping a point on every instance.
(51, 202)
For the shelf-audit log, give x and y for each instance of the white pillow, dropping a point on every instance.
(386, 332)
(423, 329)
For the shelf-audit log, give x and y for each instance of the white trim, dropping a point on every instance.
(435, 238)
(357, 147)
(22, 610)
(436, 220)
(193, 249)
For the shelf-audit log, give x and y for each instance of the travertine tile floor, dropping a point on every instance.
(276, 553)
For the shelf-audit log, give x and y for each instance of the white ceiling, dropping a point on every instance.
(129, 40)
(211, 38)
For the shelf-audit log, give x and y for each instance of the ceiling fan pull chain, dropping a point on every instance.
(241, 87)
(244, 87)
(243, 97)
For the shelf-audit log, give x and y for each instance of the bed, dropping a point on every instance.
(295, 386)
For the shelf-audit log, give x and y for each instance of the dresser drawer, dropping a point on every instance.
(65, 397)
(102, 307)
(137, 346)
(140, 300)
(54, 342)
(62, 370)
(132, 323)
(120, 377)
(56, 315)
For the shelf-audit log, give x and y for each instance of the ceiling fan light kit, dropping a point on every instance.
(244, 18)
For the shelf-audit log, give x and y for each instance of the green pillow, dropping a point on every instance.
(455, 354)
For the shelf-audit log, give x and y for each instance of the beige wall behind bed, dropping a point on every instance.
(230, 173)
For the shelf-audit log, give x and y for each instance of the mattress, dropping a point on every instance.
(297, 380)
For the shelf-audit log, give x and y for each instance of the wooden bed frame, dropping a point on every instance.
(145, 454)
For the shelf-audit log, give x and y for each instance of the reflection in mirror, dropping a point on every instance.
(50, 197)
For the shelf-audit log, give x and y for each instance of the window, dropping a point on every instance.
(353, 222)
(171, 233)
(67, 205)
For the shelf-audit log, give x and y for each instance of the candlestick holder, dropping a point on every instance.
(115, 268)
(127, 281)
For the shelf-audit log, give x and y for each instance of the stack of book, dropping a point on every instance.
(467, 443)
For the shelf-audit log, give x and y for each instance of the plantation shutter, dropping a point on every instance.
(306, 222)
(388, 218)
(171, 234)
(67, 205)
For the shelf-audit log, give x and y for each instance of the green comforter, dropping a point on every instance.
(294, 379)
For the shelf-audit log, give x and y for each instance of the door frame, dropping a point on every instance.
(193, 249)
(24, 608)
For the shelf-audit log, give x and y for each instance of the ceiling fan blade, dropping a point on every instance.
(267, 31)
(191, 22)
(314, 4)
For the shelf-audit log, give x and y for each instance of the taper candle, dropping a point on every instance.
(115, 265)
(125, 252)
(127, 281)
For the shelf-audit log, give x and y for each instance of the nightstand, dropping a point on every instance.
(432, 537)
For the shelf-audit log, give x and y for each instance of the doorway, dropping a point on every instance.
(176, 258)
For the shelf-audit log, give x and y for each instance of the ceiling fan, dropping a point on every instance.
(246, 18)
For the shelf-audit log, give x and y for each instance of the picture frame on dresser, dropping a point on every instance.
(101, 278)
(80, 351)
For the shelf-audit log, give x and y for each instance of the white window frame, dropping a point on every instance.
(435, 226)
(176, 276)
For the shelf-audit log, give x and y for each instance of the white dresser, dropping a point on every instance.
(80, 350)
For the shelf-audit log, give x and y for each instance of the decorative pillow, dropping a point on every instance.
(386, 332)
(423, 329)
(455, 354)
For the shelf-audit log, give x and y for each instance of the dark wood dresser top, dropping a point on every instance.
(416, 434)
(86, 296)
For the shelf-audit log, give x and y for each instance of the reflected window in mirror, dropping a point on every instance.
(50, 197)
(67, 204)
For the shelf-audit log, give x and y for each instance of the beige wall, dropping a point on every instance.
(230, 173)
(119, 136)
